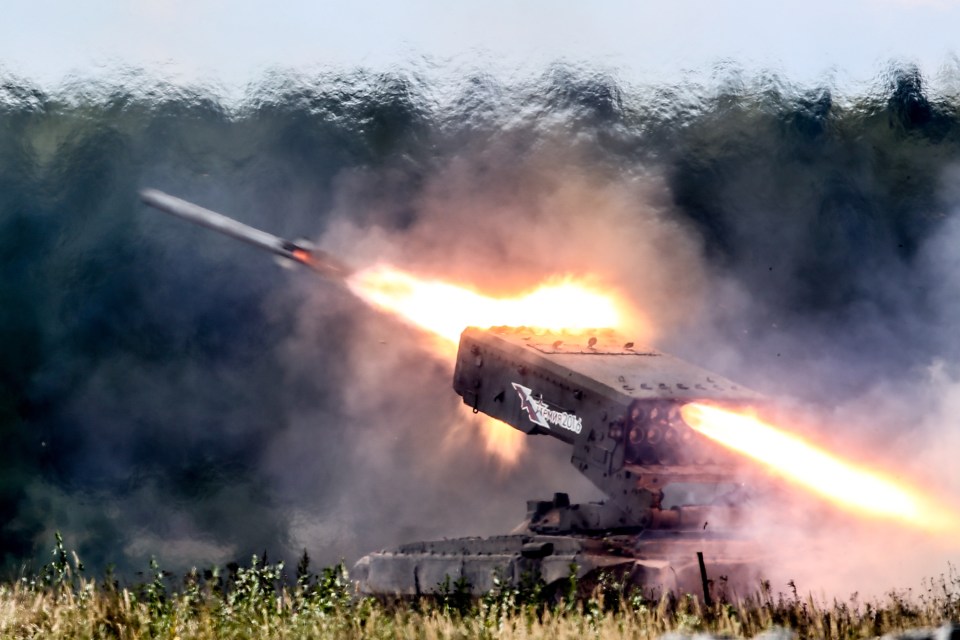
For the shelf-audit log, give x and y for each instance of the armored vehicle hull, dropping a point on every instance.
(618, 407)
(652, 564)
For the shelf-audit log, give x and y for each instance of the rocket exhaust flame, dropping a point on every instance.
(442, 308)
(853, 487)
(446, 309)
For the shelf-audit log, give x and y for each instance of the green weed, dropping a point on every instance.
(260, 601)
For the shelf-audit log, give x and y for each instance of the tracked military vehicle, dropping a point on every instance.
(669, 492)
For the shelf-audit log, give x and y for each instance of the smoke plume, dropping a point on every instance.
(167, 392)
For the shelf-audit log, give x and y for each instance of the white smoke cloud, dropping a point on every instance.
(493, 221)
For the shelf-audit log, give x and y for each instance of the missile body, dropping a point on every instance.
(297, 251)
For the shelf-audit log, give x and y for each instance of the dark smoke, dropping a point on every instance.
(165, 391)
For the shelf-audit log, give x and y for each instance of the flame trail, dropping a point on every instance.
(848, 485)
(445, 309)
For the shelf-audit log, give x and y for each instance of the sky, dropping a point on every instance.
(233, 42)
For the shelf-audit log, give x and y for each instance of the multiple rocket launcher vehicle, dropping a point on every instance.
(670, 493)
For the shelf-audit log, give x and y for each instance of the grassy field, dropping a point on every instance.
(259, 601)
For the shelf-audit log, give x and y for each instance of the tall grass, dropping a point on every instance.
(261, 601)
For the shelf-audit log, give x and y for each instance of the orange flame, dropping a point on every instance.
(845, 484)
(445, 310)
